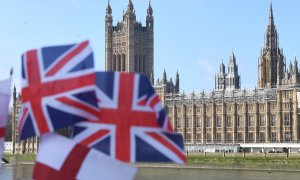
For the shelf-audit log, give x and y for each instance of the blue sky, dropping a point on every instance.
(191, 36)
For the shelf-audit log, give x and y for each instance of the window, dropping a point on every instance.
(219, 121)
(199, 122)
(262, 121)
(262, 137)
(240, 137)
(287, 120)
(229, 121)
(208, 137)
(250, 137)
(188, 137)
(273, 137)
(273, 120)
(261, 107)
(287, 136)
(251, 121)
(240, 121)
(208, 122)
(229, 137)
(198, 137)
(218, 138)
(179, 123)
(189, 123)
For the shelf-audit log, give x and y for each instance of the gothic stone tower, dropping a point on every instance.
(271, 65)
(231, 80)
(129, 46)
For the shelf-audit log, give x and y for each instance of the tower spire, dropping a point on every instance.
(149, 10)
(232, 58)
(271, 18)
(130, 6)
(108, 8)
(164, 76)
(177, 89)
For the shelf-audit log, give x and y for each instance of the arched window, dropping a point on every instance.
(119, 63)
(136, 63)
(141, 63)
(123, 62)
(114, 68)
(144, 64)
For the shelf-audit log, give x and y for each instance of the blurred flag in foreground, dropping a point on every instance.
(57, 82)
(61, 158)
(133, 125)
(5, 91)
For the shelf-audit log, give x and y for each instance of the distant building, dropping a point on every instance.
(129, 46)
(231, 115)
(228, 115)
(29, 145)
(165, 86)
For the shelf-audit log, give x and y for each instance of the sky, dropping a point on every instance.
(191, 36)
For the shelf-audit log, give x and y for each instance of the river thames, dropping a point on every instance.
(24, 172)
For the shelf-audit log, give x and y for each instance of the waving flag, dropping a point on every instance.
(4, 101)
(51, 77)
(61, 158)
(133, 125)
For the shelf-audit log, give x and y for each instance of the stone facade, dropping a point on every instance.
(236, 116)
(29, 145)
(164, 86)
(129, 45)
(230, 80)
(272, 66)
(229, 114)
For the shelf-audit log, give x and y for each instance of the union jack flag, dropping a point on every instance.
(133, 125)
(57, 83)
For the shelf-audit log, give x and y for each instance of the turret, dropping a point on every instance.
(295, 71)
(151, 78)
(164, 80)
(149, 18)
(271, 65)
(232, 78)
(108, 17)
(14, 96)
(220, 78)
(177, 83)
(130, 12)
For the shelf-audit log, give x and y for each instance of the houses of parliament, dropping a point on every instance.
(226, 115)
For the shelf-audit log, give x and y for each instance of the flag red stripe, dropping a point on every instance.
(34, 79)
(154, 101)
(69, 169)
(42, 89)
(2, 132)
(78, 105)
(67, 58)
(168, 145)
(94, 137)
(74, 161)
(42, 171)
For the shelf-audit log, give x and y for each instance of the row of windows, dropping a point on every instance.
(239, 121)
(229, 108)
(140, 63)
(119, 62)
(240, 137)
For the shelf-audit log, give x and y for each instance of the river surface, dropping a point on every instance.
(24, 172)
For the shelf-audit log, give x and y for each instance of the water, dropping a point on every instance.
(24, 172)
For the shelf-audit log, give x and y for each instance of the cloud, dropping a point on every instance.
(207, 67)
